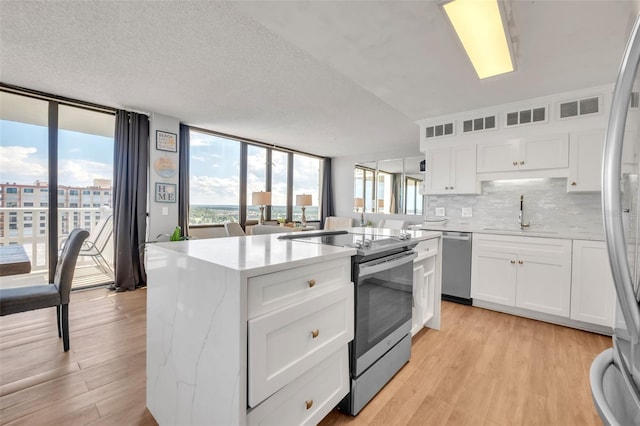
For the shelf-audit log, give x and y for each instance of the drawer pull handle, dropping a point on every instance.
(309, 403)
(311, 283)
(520, 262)
(315, 333)
(513, 261)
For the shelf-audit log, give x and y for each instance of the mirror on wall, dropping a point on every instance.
(388, 186)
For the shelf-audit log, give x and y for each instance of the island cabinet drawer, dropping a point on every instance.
(287, 342)
(273, 291)
(427, 248)
(310, 397)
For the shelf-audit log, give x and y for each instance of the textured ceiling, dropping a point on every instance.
(331, 78)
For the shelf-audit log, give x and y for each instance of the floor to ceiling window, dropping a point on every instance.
(35, 133)
(279, 172)
(216, 184)
(214, 181)
(306, 181)
(256, 178)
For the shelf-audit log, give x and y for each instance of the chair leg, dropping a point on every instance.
(65, 326)
(59, 319)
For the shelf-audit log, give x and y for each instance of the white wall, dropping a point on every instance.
(158, 221)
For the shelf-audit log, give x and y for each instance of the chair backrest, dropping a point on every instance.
(270, 229)
(67, 263)
(233, 229)
(392, 224)
(103, 231)
(336, 222)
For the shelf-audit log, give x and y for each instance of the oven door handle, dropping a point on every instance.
(371, 268)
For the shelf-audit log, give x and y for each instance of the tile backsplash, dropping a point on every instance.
(547, 205)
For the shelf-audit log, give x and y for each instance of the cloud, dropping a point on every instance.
(83, 172)
(214, 190)
(21, 164)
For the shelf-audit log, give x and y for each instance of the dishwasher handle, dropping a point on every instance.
(459, 236)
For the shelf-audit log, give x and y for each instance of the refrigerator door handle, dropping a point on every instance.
(611, 196)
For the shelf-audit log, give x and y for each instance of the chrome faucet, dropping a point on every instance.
(521, 221)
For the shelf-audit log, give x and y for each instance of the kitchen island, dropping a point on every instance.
(244, 330)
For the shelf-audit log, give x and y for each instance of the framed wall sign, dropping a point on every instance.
(166, 141)
(166, 192)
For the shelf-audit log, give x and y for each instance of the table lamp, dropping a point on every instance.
(380, 205)
(359, 202)
(302, 201)
(261, 199)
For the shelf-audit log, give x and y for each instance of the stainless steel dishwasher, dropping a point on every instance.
(456, 267)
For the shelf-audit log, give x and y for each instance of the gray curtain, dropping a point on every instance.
(130, 199)
(183, 180)
(326, 208)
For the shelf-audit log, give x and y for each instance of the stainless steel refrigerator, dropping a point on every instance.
(615, 373)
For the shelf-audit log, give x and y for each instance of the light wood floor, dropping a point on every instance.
(482, 368)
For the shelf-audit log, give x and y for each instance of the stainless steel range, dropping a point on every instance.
(382, 271)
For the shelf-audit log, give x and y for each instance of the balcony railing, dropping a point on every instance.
(29, 227)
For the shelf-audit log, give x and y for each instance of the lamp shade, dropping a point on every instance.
(359, 202)
(380, 203)
(261, 198)
(303, 200)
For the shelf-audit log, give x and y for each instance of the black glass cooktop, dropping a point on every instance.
(365, 240)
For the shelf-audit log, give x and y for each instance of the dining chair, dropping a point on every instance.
(336, 222)
(233, 229)
(22, 299)
(392, 224)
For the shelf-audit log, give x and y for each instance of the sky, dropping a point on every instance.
(24, 155)
(215, 171)
(214, 167)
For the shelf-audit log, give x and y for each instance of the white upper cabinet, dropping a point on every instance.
(451, 170)
(585, 161)
(534, 153)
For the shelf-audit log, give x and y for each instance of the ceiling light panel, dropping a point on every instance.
(480, 29)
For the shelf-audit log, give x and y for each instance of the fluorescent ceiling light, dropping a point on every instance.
(479, 26)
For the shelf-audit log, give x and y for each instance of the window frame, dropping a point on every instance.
(270, 149)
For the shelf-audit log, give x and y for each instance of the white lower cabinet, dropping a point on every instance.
(427, 286)
(300, 322)
(525, 272)
(592, 289)
(287, 342)
(306, 399)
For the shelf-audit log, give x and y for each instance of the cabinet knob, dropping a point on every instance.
(451, 187)
(311, 283)
(573, 184)
(520, 262)
(315, 333)
(515, 163)
(446, 187)
(309, 403)
(522, 163)
(513, 261)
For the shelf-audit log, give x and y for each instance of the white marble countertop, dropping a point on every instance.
(567, 234)
(266, 253)
(256, 253)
